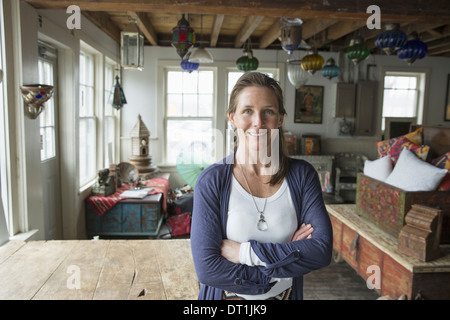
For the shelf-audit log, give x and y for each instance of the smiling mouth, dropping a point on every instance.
(257, 134)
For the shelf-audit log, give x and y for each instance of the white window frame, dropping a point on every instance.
(423, 76)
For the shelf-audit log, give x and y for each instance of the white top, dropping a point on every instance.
(281, 219)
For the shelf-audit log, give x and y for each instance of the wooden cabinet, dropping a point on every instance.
(345, 100)
(362, 245)
(129, 217)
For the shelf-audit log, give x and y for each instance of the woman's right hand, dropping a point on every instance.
(304, 232)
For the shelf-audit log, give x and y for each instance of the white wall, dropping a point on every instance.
(141, 91)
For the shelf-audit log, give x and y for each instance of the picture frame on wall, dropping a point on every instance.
(447, 101)
(309, 104)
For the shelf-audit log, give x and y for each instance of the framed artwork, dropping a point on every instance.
(309, 104)
(447, 101)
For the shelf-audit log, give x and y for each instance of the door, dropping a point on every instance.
(49, 145)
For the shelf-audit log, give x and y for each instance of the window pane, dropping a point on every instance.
(87, 150)
(190, 103)
(174, 105)
(205, 82)
(190, 82)
(399, 103)
(174, 82)
(109, 141)
(189, 136)
(400, 82)
(205, 105)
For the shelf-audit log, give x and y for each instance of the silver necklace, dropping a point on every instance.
(262, 224)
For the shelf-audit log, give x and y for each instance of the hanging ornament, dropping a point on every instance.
(312, 62)
(297, 76)
(117, 96)
(357, 51)
(291, 34)
(183, 37)
(391, 40)
(413, 49)
(330, 70)
(247, 62)
(188, 66)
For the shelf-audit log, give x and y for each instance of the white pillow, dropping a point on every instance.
(378, 169)
(413, 174)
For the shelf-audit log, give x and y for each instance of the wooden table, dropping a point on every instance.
(102, 269)
(361, 244)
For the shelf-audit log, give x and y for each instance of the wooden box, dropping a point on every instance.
(129, 217)
(386, 206)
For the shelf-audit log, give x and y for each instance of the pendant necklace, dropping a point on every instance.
(262, 224)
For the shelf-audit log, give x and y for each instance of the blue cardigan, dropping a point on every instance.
(292, 259)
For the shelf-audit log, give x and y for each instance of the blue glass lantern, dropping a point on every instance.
(413, 49)
(391, 40)
(188, 66)
(330, 70)
(291, 34)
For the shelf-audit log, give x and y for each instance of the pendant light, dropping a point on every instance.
(183, 37)
(312, 62)
(297, 76)
(330, 70)
(132, 47)
(200, 54)
(117, 97)
(357, 51)
(391, 40)
(34, 97)
(188, 66)
(291, 34)
(413, 49)
(247, 62)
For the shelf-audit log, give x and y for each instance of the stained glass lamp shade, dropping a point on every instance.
(117, 98)
(183, 37)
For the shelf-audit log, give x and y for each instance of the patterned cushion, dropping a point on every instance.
(394, 146)
(384, 146)
(443, 162)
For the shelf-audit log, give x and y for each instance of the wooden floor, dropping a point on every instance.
(338, 281)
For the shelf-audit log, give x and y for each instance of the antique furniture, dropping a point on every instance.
(362, 245)
(98, 270)
(348, 165)
(129, 217)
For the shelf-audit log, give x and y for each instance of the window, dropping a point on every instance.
(403, 95)
(87, 124)
(189, 114)
(110, 116)
(47, 70)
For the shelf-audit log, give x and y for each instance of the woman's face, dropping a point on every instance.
(256, 114)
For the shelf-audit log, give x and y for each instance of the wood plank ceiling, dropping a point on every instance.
(327, 25)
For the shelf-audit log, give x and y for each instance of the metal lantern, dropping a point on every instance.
(413, 49)
(312, 62)
(291, 34)
(34, 97)
(117, 97)
(330, 70)
(391, 40)
(188, 66)
(297, 76)
(183, 37)
(357, 51)
(132, 47)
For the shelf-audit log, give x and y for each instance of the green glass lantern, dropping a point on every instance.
(312, 62)
(183, 37)
(247, 62)
(357, 51)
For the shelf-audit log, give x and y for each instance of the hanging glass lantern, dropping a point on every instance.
(117, 97)
(188, 66)
(297, 76)
(391, 40)
(132, 47)
(247, 61)
(413, 49)
(183, 37)
(330, 70)
(291, 34)
(357, 51)
(312, 62)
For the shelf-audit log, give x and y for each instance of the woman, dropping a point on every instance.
(259, 222)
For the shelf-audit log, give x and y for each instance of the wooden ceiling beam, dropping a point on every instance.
(392, 10)
(215, 30)
(439, 50)
(272, 34)
(250, 24)
(336, 31)
(104, 23)
(145, 26)
(312, 27)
